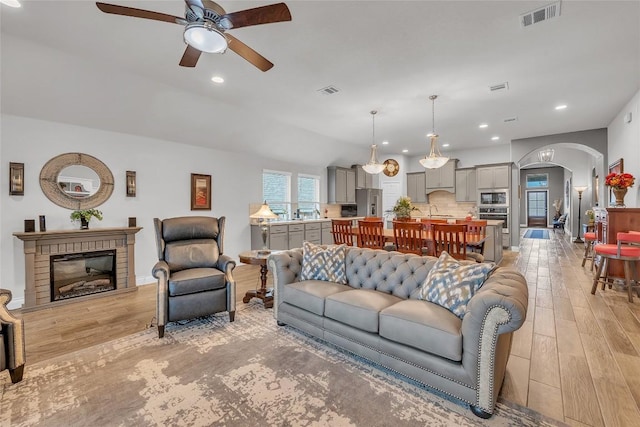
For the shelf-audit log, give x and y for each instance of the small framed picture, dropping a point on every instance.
(200, 192)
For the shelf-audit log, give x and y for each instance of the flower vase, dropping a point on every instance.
(84, 224)
(619, 193)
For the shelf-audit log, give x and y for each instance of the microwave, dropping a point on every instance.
(493, 198)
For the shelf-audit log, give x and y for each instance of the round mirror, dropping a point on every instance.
(76, 181)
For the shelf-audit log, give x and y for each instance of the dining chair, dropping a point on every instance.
(428, 227)
(450, 238)
(373, 218)
(342, 231)
(408, 237)
(627, 250)
(371, 234)
(476, 232)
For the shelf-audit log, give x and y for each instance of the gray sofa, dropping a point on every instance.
(378, 316)
(12, 354)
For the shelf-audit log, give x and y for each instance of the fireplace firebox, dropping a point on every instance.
(79, 274)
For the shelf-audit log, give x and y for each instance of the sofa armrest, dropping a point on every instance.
(285, 267)
(499, 307)
(14, 329)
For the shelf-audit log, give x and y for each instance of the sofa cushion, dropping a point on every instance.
(359, 308)
(424, 326)
(195, 280)
(324, 263)
(451, 284)
(310, 294)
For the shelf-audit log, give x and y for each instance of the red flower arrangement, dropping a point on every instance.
(619, 180)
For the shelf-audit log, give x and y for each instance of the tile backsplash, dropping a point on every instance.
(445, 203)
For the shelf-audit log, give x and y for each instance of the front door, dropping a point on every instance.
(536, 208)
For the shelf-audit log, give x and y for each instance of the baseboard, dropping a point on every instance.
(145, 280)
(15, 303)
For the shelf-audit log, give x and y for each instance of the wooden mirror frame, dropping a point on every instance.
(51, 189)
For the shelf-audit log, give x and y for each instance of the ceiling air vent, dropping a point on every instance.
(499, 86)
(538, 15)
(329, 90)
(510, 119)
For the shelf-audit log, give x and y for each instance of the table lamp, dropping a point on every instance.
(580, 189)
(262, 215)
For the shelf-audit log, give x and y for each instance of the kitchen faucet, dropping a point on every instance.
(430, 205)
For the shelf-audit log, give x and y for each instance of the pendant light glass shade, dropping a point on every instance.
(373, 166)
(434, 159)
(546, 156)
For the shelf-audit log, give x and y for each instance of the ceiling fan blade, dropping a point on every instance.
(260, 15)
(139, 13)
(247, 53)
(190, 57)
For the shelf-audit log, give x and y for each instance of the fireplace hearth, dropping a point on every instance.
(79, 274)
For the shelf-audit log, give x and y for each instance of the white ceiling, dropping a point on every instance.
(67, 61)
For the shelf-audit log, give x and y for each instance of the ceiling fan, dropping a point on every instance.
(206, 24)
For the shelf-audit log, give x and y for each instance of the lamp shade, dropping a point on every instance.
(264, 212)
(434, 159)
(204, 37)
(373, 166)
(580, 188)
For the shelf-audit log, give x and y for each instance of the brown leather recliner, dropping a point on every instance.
(194, 276)
(12, 353)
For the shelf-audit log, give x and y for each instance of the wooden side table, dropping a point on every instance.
(266, 295)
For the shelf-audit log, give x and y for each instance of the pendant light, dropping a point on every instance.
(434, 159)
(546, 156)
(373, 166)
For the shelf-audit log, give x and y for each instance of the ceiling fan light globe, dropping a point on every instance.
(205, 38)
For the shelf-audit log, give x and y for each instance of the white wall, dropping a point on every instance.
(163, 171)
(624, 142)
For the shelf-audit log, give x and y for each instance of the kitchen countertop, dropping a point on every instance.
(307, 221)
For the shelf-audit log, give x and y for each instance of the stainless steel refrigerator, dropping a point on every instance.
(369, 201)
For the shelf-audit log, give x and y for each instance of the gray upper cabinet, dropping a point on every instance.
(363, 179)
(466, 185)
(341, 185)
(443, 178)
(416, 187)
(493, 176)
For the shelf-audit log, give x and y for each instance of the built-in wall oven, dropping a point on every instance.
(493, 198)
(495, 213)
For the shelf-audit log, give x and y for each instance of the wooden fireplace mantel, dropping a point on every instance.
(39, 246)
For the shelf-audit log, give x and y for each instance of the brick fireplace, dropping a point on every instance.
(41, 247)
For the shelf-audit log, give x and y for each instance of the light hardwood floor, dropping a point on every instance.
(576, 359)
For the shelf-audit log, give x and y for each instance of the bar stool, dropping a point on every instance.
(590, 239)
(628, 253)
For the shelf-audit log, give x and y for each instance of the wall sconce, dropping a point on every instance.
(131, 184)
(16, 179)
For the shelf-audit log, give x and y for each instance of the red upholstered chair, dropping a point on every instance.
(590, 239)
(626, 250)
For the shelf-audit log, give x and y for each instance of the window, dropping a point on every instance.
(539, 180)
(308, 195)
(276, 190)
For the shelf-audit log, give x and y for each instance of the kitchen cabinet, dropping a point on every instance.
(277, 237)
(363, 179)
(506, 240)
(493, 176)
(313, 233)
(326, 235)
(341, 185)
(417, 187)
(466, 186)
(296, 236)
(443, 178)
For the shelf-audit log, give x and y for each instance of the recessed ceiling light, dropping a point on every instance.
(405, 151)
(217, 79)
(11, 3)
(445, 145)
(561, 107)
(385, 142)
(495, 138)
(483, 125)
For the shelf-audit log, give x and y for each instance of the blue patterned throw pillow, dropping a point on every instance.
(451, 284)
(328, 264)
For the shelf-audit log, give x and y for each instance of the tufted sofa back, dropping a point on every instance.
(189, 242)
(391, 272)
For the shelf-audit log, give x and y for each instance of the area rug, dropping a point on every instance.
(212, 372)
(536, 234)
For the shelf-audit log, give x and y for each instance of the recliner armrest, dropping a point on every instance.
(161, 270)
(14, 331)
(226, 262)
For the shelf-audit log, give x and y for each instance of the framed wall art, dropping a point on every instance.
(200, 192)
(615, 167)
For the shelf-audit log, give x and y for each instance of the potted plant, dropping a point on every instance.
(403, 208)
(591, 215)
(84, 216)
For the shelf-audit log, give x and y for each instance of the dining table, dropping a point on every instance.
(471, 239)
